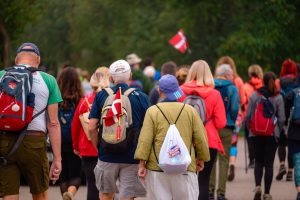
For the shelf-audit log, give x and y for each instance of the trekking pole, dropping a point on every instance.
(245, 149)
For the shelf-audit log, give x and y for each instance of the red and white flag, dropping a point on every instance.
(115, 112)
(179, 41)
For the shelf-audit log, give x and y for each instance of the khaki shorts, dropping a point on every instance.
(162, 186)
(30, 160)
(107, 174)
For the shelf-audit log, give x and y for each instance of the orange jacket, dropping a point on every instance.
(250, 87)
(214, 110)
(238, 82)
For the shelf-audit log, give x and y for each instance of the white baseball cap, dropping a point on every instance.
(120, 71)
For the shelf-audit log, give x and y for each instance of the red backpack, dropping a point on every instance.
(16, 99)
(263, 120)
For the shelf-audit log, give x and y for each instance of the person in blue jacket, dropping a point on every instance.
(230, 96)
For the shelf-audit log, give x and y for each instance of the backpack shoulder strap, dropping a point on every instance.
(33, 69)
(129, 91)
(88, 103)
(166, 117)
(109, 91)
(179, 113)
(163, 113)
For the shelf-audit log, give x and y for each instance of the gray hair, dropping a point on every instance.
(223, 70)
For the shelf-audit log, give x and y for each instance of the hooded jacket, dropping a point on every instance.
(277, 102)
(250, 87)
(214, 110)
(232, 93)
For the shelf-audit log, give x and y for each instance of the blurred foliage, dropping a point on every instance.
(91, 33)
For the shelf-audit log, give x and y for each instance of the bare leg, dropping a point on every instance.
(11, 197)
(106, 196)
(72, 190)
(41, 196)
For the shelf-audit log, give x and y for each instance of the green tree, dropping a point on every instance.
(14, 16)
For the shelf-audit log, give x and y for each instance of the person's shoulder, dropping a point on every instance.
(278, 97)
(102, 93)
(238, 81)
(188, 108)
(48, 78)
(255, 95)
(233, 88)
(214, 92)
(137, 92)
(154, 89)
(46, 75)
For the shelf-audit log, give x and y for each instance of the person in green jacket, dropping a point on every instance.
(157, 120)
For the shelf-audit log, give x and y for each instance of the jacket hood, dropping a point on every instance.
(256, 82)
(222, 82)
(192, 88)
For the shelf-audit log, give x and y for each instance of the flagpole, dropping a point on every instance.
(119, 118)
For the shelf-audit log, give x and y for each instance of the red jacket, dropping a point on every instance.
(79, 139)
(214, 109)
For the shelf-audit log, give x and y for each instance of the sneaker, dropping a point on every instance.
(67, 196)
(211, 196)
(257, 191)
(281, 173)
(267, 197)
(289, 176)
(221, 197)
(231, 173)
(298, 196)
(251, 164)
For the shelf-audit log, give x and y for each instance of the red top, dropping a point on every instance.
(79, 139)
(214, 110)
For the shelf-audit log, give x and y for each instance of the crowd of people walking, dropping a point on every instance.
(118, 125)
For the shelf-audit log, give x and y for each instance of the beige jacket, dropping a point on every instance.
(155, 128)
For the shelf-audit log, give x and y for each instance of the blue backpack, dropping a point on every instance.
(295, 112)
(224, 91)
(65, 119)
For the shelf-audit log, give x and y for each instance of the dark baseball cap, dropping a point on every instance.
(168, 84)
(34, 48)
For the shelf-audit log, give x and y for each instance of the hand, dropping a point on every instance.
(142, 172)
(55, 170)
(199, 165)
(76, 153)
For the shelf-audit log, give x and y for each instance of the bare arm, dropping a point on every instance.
(55, 139)
(93, 129)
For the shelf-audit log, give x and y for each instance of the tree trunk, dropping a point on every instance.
(6, 45)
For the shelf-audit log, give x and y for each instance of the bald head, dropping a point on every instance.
(27, 55)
